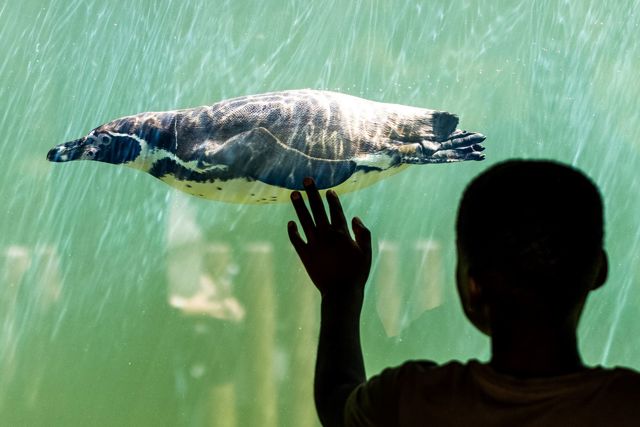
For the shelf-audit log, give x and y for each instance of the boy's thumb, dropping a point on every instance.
(363, 235)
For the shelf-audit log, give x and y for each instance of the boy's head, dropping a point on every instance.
(530, 243)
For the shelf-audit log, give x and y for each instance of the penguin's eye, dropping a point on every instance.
(90, 153)
(105, 139)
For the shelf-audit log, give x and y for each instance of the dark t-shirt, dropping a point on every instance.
(421, 393)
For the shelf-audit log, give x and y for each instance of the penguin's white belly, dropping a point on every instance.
(241, 190)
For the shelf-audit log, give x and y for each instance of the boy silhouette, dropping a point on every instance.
(530, 250)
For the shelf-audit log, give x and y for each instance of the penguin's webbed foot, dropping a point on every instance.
(459, 146)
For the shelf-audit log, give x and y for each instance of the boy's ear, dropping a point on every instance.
(475, 292)
(479, 313)
(603, 270)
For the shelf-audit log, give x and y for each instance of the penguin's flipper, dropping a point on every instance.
(257, 154)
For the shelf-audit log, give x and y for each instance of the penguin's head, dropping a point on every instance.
(102, 144)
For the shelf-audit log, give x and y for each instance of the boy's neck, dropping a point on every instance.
(535, 351)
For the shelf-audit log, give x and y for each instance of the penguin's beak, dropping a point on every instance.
(68, 151)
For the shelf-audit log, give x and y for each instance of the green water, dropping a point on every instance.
(123, 302)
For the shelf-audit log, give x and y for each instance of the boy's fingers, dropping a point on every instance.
(303, 215)
(363, 235)
(335, 209)
(296, 240)
(315, 201)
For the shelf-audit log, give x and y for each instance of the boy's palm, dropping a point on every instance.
(335, 261)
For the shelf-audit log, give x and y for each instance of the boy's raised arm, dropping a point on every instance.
(339, 267)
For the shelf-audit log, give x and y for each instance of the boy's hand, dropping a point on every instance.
(336, 263)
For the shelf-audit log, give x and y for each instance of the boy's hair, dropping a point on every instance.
(533, 230)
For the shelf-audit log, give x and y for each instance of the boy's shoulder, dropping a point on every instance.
(625, 381)
(462, 392)
(618, 378)
(472, 378)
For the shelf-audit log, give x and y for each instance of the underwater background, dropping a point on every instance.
(125, 302)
